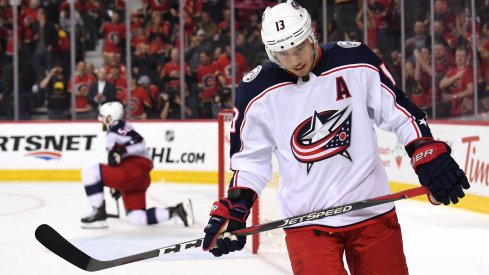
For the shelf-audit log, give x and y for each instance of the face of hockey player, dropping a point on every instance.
(105, 120)
(298, 60)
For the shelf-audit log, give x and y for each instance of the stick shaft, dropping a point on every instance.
(52, 240)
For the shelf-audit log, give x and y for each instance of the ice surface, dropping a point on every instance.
(437, 240)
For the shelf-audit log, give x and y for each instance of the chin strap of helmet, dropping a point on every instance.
(317, 56)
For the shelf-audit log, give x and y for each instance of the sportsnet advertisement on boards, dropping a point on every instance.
(191, 149)
(173, 146)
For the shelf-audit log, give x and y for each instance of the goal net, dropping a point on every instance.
(266, 208)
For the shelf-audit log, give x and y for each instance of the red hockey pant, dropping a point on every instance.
(131, 178)
(373, 249)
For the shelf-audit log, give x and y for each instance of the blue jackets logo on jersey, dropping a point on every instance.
(322, 136)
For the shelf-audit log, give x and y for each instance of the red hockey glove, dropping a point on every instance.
(438, 171)
(228, 215)
(115, 155)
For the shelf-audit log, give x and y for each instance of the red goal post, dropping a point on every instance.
(272, 241)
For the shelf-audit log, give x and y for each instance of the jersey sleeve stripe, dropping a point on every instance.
(403, 110)
(352, 66)
(386, 72)
(262, 94)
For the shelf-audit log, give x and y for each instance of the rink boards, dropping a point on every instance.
(187, 152)
(181, 151)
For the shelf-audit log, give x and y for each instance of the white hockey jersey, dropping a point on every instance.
(322, 132)
(122, 133)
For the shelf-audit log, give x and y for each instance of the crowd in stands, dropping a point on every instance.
(44, 42)
(453, 94)
(44, 57)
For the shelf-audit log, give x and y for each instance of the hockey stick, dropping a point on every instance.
(116, 195)
(53, 241)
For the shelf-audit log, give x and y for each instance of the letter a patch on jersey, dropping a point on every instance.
(342, 91)
(322, 136)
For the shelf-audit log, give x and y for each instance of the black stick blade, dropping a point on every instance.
(53, 241)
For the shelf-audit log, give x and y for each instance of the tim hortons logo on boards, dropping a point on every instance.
(477, 170)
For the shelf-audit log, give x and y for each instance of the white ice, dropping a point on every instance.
(437, 240)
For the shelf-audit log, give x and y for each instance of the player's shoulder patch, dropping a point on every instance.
(252, 74)
(348, 44)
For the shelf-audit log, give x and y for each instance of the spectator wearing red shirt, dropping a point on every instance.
(422, 76)
(121, 94)
(443, 61)
(413, 90)
(155, 27)
(158, 50)
(209, 76)
(161, 6)
(154, 94)
(463, 27)
(372, 30)
(28, 18)
(114, 32)
(116, 77)
(170, 73)
(62, 50)
(226, 22)
(380, 11)
(189, 26)
(224, 62)
(91, 70)
(82, 84)
(138, 37)
(30, 11)
(150, 98)
(483, 48)
(94, 8)
(140, 99)
(9, 47)
(442, 33)
(444, 14)
(114, 61)
(137, 21)
(458, 85)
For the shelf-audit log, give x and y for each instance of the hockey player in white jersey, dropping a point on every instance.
(316, 107)
(128, 172)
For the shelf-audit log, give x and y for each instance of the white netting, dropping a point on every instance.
(270, 241)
